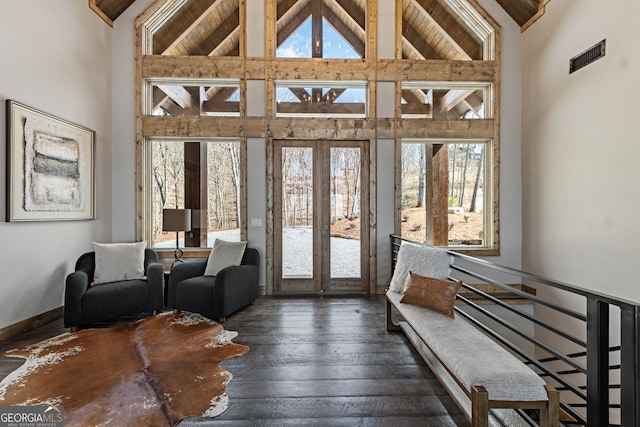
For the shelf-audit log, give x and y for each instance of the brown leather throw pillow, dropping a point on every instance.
(434, 294)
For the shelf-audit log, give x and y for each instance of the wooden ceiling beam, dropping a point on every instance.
(354, 11)
(219, 93)
(333, 94)
(216, 37)
(283, 7)
(109, 10)
(453, 98)
(177, 25)
(316, 29)
(520, 10)
(350, 108)
(416, 108)
(179, 94)
(194, 25)
(419, 43)
(445, 34)
(472, 48)
(220, 107)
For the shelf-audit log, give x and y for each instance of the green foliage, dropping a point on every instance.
(466, 219)
(453, 202)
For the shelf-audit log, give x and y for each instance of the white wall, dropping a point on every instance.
(510, 139)
(55, 58)
(124, 132)
(581, 147)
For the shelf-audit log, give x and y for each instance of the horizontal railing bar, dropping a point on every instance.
(549, 282)
(568, 372)
(526, 295)
(521, 353)
(525, 315)
(529, 338)
(580, 354)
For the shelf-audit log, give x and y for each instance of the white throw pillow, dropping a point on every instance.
(423, 260)
(118, 261)
(224, 254)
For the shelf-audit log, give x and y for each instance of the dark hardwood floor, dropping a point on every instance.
(316, 361)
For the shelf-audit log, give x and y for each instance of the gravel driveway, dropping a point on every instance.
(297, 254)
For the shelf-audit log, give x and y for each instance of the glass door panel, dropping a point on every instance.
(297, 212)
(344, 194)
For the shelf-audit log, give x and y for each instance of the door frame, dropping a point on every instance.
(321, 244)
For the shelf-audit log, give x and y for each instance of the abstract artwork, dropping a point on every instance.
(50, 167)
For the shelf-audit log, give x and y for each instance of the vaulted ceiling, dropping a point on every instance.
(524, 12)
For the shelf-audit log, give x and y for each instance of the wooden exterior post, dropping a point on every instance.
(440, 188)
(196, 192)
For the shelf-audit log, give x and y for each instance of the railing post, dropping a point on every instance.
(598, 363)
(629, 371)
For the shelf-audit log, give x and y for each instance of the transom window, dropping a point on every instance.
(198, 97)
(317, 98)
(445, 100)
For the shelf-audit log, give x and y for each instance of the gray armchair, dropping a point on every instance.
(85, 304)
(215, 297)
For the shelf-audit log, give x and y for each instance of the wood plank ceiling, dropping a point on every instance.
(524, 12)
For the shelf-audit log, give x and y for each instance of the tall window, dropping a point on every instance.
(203, 176)
(445, 200)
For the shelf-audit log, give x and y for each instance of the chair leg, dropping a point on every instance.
(176, 311)
(75, 328)
(221, 319)
(479, 406)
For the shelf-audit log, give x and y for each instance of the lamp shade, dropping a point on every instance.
(176, 219)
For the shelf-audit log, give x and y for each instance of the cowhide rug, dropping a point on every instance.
(152, 372)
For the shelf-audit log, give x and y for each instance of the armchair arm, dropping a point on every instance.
(181, 272)
(76, 285)
(155, 279)
(236, 287)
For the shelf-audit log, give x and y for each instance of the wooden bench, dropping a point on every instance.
(476, 371)
(466, 360)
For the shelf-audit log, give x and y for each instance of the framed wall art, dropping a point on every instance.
(50, 167)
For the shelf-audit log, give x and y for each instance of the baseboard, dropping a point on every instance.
(29, 324)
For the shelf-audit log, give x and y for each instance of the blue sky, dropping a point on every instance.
(298, 45)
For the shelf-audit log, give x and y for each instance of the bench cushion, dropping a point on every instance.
(473, 357)
(423, 260)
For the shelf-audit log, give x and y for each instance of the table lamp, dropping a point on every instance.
(176, 220)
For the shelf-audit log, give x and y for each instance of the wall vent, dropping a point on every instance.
(587, 57)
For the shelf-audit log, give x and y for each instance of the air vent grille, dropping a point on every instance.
(587, 57)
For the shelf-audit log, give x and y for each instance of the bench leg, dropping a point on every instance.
(550, 414)
(390, 325)
(479, 407)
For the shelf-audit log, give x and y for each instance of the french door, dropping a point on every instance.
(321, 216)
